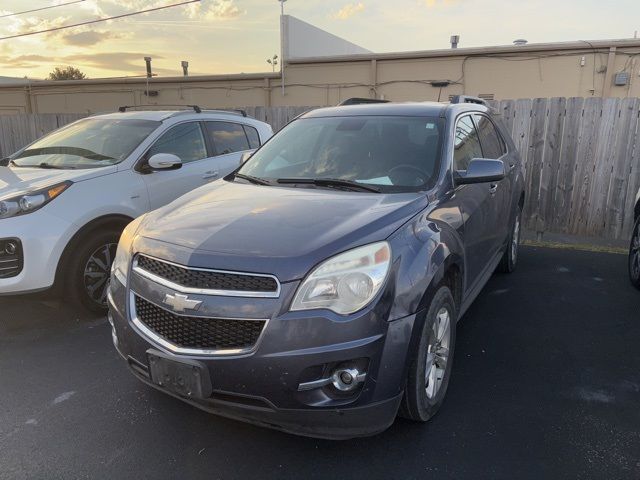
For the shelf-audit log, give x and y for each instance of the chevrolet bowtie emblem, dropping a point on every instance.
(180, 303)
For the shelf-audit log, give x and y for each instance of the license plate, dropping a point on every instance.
(188, 378)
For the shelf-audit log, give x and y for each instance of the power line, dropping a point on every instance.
(40, 9)
(99, 20)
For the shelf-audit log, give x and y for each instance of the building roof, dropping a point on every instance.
(13, 80)
(592, 45)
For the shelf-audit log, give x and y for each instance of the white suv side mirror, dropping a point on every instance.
(164, 161)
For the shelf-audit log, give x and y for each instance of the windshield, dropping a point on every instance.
(88, 143)
(394, 154)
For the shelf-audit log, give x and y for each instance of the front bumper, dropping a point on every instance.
(43, 238)
(261, 387)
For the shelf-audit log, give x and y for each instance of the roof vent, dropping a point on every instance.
(520, 42)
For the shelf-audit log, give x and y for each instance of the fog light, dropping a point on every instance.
(346, 379)
(342, 378)
(10, 248)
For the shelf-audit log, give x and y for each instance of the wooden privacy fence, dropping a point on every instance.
(582, 160)
(16, 131)
(581, 155)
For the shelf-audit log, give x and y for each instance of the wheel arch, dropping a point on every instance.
(450, 274)
(118, 221)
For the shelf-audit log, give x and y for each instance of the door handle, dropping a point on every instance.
(211, 174)
(493, 188)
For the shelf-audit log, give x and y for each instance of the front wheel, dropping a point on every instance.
(634, 256)
(432, 361)
(89, 270)
(510, 257)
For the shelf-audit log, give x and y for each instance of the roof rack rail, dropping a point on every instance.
(124, 108)
(232, 111)
(468, 99)
(361, 101)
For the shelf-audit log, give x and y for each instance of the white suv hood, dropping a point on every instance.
(17, 180)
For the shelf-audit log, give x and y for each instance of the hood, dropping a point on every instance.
(283, 231)
(17, 180)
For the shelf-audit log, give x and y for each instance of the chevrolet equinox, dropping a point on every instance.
(316, 289)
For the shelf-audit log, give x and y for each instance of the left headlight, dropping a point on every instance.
(31, 201)
(347, 282)
(120, 266)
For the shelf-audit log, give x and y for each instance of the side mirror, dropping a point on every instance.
(481, 170)
(164, 161)
(246, 156)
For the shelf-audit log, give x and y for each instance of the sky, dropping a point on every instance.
(234, 36)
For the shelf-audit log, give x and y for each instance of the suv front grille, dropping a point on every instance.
(198, 333)
(211, 280)
(11, 258)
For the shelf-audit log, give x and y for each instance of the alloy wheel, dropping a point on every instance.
(438, 352)
(97, 271)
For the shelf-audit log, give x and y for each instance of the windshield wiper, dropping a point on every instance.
(249, 178)
(331, 182)
(61, 150)
(56, 167)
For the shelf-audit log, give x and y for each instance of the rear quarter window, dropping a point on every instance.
(492, 144)
(252, 136)
(227, 137)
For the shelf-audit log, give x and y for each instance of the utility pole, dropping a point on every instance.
(282, 58)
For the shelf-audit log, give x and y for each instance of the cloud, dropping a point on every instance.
(89, 38)
(213, 10)
(33, 24)
(129, 62)
(439, 3)
(23, 61)
(349, 10)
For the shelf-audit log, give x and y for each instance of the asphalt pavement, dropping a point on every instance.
(545, 385)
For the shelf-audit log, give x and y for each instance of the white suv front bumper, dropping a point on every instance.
(43, 237)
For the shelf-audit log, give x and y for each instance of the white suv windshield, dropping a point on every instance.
(88, 143)
(388, 153)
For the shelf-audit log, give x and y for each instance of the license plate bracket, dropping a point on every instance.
(187, 378)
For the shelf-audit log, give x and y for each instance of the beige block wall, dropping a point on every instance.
(526, 74)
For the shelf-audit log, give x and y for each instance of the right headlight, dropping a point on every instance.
(347, 282)
(30, 201)
(120, 266)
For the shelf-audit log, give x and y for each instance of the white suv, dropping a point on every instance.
(65, 199)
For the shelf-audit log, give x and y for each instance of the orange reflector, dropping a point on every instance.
(53, 192)
(382, 255)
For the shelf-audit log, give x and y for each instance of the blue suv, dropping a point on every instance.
(316, 289)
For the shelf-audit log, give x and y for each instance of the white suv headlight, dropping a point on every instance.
(347, 282)
(30, 201)
(120, 265)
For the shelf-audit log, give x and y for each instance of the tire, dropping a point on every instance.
(509, 259)
(88, 270)
(634, 256)
(428, 377)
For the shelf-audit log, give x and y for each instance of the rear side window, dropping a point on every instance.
(466, 143)
(252, 135)
(184, 140)
(227, 137)
(492, 144)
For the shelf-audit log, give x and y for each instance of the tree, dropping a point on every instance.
(67, 73)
